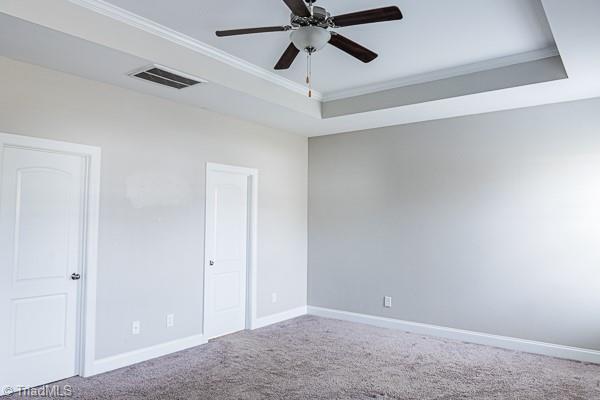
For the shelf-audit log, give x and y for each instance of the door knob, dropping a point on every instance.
(75, 276)
(211, 263)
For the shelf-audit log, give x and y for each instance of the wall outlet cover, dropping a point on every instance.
(387, 302)
(135, 328)
(170, 320)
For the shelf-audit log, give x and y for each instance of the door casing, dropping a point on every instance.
(251, 256)
(86, 325)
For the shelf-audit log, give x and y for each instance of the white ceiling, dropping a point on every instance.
(434, 35)
(95, 40)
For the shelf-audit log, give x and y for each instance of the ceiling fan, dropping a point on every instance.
(310, 31)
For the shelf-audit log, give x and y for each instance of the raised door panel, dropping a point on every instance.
(44, 198)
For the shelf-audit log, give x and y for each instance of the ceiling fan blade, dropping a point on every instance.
(298, 7)
(288, 57)
(369, 16)
(246, 31)
(354, 49)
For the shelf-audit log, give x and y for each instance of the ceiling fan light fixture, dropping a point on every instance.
(310, 38)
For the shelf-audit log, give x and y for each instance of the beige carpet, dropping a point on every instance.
(316, 358)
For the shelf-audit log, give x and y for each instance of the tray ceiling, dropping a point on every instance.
(509, 64)
(434, 35)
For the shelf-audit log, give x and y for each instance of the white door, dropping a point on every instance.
(225, 252)
(41, 225)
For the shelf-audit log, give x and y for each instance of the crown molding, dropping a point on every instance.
(443, 74)
(139, 22)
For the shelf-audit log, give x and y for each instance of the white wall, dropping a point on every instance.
(152, 197)
(488, 223)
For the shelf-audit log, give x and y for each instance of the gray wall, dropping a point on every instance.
(152, 197)
(488, 223)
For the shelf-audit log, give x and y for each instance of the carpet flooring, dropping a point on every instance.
(317, 358)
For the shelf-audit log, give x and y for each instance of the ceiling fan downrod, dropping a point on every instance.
(308, 59)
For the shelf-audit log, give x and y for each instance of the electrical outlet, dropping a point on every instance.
(387, 302)
(170, 320)
(273, 297)
(135, 328)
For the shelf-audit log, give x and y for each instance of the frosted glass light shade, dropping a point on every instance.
(310, 38)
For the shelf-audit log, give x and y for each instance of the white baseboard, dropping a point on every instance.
(530, 346)
(275, 318)
(136, 356)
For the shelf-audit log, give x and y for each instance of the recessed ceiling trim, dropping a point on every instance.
(511, 76)
(443, 74)
(131, 19)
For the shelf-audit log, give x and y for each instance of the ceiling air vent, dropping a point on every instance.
(166, 77)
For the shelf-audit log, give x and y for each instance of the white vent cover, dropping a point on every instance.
(166, 77)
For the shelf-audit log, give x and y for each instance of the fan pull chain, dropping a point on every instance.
(309, 73)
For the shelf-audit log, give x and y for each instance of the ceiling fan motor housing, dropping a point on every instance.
(319, 17)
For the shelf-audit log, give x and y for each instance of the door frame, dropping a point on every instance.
(86, 297)
(251, 244)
